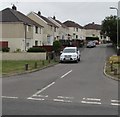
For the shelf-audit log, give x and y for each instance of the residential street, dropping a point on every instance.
(64, 89)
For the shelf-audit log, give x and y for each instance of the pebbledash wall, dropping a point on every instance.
(24, 56)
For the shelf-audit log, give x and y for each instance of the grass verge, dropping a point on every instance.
(17, 67)
(113, 67)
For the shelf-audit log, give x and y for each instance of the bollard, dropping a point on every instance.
(35, 64)
(49, 60)
(115, 71)
(26, 67)
(111, 65)
(43, 63)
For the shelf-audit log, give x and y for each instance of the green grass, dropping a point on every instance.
(12, 67)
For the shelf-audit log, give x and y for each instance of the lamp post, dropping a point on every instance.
(117, 29)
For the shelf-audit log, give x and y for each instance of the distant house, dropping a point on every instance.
(93, 30)
(19, 31)
(63, 29)
(50, 29)
(75, 30)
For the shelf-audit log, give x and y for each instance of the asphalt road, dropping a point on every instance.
(64, 89)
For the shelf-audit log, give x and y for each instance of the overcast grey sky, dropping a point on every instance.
(80, 12)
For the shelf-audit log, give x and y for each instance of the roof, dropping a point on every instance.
(70, 47)
(47, 20)
(63, 25)
(72, 24)
(11, 15)
(93, 26)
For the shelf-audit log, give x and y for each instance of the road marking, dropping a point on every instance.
(9, 97)
(86, 102)
(60, 100)
(65, 97)
(115, 102)
(44, 89)
(66, 74)
(92, 99)
(39, 99)
(44, 96)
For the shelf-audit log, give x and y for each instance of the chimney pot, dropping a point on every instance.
(54, 17)
(39, 13)
(14, 7)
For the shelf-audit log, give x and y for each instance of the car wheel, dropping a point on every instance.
(77, 61)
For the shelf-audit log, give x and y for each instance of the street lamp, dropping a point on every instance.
(117, 29)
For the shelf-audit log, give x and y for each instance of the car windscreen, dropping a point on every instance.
(69, 51)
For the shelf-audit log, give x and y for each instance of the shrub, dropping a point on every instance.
(56, 46)
(36, 49)
(5, 49)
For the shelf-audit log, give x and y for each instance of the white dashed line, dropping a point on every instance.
(43, 96)
(39, 99)
(115, 102)
(9, 97)
(86, 102)
(65, 97)
(60, 100)
(66, 74)
(92, 99)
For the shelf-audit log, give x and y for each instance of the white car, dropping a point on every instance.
(70, 54)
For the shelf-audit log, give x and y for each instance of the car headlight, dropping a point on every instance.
(74, 55)
(62, 56)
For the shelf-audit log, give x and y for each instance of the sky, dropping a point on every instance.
(79, 11)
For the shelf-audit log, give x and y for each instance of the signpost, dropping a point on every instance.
(119, 9)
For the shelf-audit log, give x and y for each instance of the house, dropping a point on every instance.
(75, 30)
(63, 29)
(92, 30)
(50, 31)
(19, 31)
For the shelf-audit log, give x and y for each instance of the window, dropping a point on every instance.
(40, 30)
(77, 29)
(36, 29)
(28, 28)
(76, 36)
(55, 29)
(51, 27)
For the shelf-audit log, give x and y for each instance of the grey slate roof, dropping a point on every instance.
(72, 24)
(63, 25)
(10, 15)
(93, 26)
(47, 20)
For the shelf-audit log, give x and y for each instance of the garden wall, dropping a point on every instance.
(24, 56)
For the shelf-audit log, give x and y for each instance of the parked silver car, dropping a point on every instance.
(91, 44)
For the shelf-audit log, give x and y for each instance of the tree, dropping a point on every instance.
(56, 46)
(109, 28)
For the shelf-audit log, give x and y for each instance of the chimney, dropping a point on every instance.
(39, 13)
(54, 17)
(14, 7)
